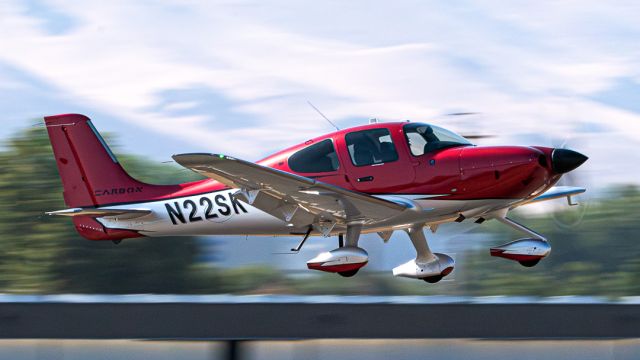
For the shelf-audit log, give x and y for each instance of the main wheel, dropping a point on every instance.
(529, 263)
(349, 273)
(117, 241)
(433, 279)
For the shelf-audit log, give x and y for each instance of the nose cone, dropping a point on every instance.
(565, 160)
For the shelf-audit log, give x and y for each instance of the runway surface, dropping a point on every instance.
(384, 349)
(296, 318)
(69, 327)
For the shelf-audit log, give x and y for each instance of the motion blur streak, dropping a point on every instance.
(48, 257)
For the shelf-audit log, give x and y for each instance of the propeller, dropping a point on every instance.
(566, 161)
(463, 115)
(564, 219)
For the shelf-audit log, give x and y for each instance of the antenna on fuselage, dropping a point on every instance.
(321, 114)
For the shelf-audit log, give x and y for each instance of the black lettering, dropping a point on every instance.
(192, 215)
(208, 212)
(175, 213)
(236, 204)
(114, 191)
(220, 201)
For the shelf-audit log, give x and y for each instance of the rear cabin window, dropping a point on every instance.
(371, 147)
(319, 157)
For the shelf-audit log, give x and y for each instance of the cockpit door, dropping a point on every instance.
(376, 161)
(436, 153)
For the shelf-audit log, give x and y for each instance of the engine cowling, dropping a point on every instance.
(526, 251)
(340, 260)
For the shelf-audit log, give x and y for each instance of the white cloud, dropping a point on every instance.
(527, 69)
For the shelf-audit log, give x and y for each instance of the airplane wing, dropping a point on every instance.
(558, 192)
(295, 199)
(119, 213)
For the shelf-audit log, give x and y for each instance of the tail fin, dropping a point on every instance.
(91, 175)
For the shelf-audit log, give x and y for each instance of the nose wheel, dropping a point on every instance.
(528, 252)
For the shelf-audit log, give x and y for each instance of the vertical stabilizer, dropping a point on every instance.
(90, 173)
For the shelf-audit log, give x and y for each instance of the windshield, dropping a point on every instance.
(424, 138)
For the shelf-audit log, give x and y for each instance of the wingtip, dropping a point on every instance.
(176, 157)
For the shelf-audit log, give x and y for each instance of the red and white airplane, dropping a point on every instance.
(376, 178)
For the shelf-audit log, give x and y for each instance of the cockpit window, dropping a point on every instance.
(370, 147)
(319, 157)
(424, 138)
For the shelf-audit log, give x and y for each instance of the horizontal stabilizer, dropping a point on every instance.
(119, 213)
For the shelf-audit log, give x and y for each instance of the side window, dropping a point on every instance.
(416, 143)
(319, 157)
(370, 147)
(424, 138)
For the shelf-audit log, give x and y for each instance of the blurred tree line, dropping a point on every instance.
(41, 254)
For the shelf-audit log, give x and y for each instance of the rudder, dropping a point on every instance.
(91, 175)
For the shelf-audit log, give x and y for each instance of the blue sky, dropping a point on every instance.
(235, 76)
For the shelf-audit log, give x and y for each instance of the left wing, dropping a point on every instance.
(295, 199)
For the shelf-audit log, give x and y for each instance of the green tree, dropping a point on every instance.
(42, 254)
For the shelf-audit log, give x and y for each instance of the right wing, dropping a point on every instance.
(557, 192)
(295, 199)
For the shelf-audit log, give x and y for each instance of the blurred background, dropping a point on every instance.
(235, 77)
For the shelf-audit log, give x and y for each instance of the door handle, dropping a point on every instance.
(366, 178)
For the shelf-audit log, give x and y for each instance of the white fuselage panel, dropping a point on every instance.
(218, 213)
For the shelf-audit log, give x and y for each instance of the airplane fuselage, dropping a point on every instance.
(373, 178)
(448, 182)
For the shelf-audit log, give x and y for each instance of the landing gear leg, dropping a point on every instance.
(521, 228)
(419, 241)
(353, 236)
(428, 266)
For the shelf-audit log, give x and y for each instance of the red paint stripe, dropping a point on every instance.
(335, 268)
